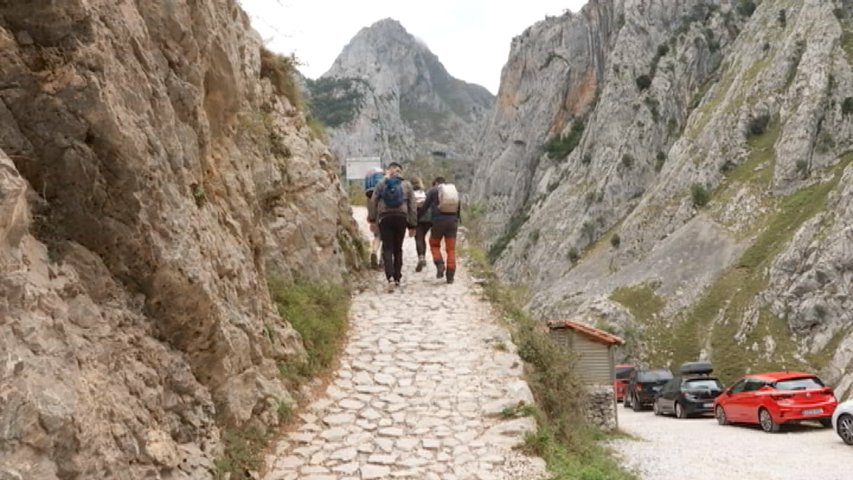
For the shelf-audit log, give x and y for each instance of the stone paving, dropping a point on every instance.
(419, 392)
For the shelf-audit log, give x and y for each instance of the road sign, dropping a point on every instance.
(357, 167)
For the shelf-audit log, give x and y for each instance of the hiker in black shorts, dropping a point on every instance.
(393, 208)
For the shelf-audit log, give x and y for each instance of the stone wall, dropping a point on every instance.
(601, 406)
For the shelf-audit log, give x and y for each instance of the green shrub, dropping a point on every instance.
(782, 17)
(802, 168)
(560, 146)
(745, 8)
(335, 101)
(652, 105)
(847, 106)
(318, 130)
(615, 240)
(758, 124)
(700, 195)
(627, 160)
(199, 195)
(280, 71)
(318, 311)
(663, 49)
(574, 255)
(643, 82)
(660, 159)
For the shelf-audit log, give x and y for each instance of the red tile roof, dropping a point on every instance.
(592, 333)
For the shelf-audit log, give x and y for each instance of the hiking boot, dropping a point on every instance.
(392, 286)
(374, 262)
(397, 283)
(450, 274)
(421, 264)
(439, 270)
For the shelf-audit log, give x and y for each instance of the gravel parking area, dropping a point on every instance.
(699, 448)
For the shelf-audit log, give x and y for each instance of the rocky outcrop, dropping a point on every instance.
(644, 155)
(387, 95)
(150, 182)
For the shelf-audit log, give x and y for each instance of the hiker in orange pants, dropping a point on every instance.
(443, 200)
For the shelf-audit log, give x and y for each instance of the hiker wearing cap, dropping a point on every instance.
(445, 207)
(393, 208)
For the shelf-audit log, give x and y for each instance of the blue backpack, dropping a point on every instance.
(392, 192)
(372, 179)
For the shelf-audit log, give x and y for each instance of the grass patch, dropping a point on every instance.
(318, 311)
(719, 314)
(847, 39)
(570, 447)
(641, 300)
(515, 223)
(241, 455)
(318, 130)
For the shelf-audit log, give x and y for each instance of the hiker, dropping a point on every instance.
(393, 208)
(424, 222)
(374, 175)
(445, 207)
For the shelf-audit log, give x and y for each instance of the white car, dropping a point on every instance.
(842, 421)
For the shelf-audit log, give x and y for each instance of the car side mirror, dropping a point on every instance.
(728, 393)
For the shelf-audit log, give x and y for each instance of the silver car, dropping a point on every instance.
(842, 421)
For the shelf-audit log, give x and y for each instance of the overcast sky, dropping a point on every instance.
(470, 37)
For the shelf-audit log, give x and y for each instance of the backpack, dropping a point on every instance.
(392, 192)
(448, 198)
(420, 198)
(372, 179)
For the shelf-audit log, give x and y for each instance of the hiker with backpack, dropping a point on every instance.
(370, 181)
(393, 208)
(445, 207)
(424, 222)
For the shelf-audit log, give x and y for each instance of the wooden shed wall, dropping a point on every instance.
(594, 360)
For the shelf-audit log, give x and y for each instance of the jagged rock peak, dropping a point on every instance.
(387, 94)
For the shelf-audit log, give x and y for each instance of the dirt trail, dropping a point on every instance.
(419, 391)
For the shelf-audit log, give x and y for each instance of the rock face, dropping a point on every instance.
(150, 182)
(682, 168)
(388, 95)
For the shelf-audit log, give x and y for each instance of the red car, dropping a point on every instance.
(775, 398)
(623, 372)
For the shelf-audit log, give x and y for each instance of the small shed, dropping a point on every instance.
(594, 351)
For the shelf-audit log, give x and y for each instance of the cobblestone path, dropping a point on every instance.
(419, 392)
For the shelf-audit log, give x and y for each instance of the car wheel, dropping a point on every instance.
(656, 408)
(720, 413)
(636, 405)
(680, 412)
(845, 428)
(766, 421)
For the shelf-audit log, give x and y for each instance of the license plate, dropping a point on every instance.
(708, 405)
(813, 411)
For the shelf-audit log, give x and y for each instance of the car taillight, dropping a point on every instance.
(828, 391)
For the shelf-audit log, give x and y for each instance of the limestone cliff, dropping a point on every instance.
(680, 171)
(150, 182)
(388, 95)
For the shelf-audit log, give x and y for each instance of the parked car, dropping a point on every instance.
(773, 399)
(623, 372)
(643, 385)
(691, 392)
(842, 421)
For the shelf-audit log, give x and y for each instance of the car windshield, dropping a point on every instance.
(798, 384)
(703, 384)
(623, 373)
(654, 375)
